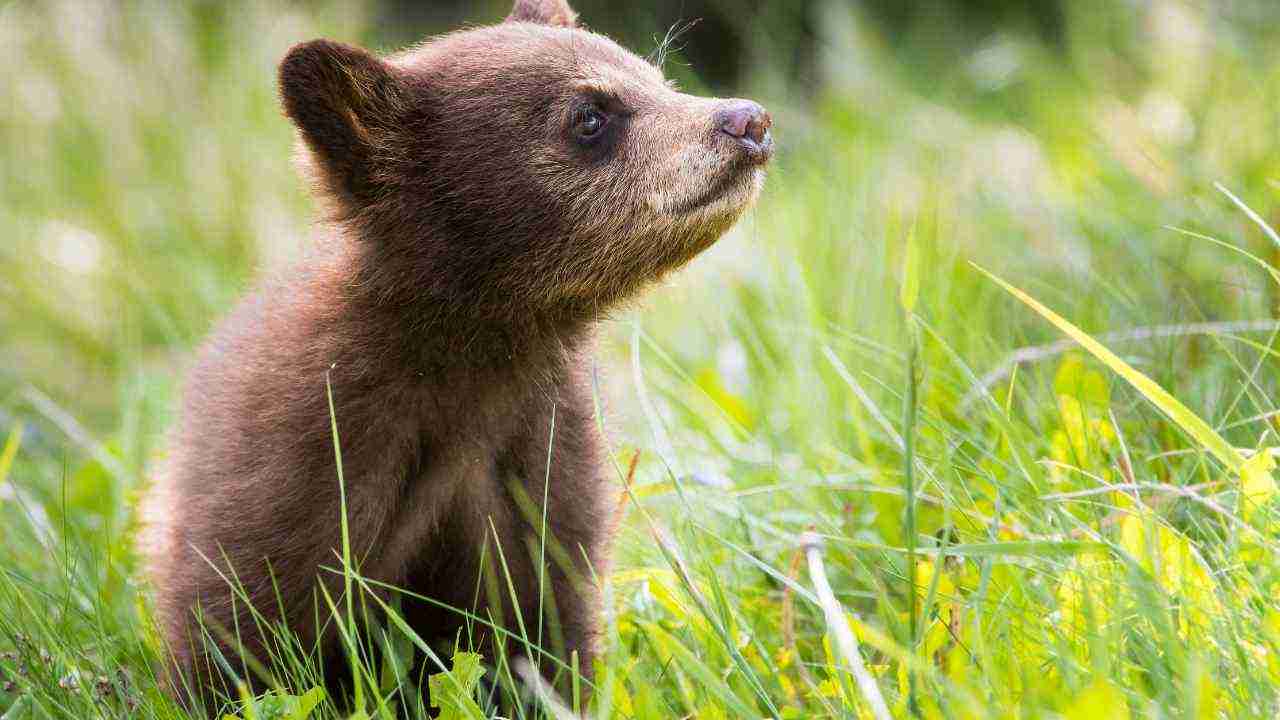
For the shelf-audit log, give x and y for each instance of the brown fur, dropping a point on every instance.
(474, 239)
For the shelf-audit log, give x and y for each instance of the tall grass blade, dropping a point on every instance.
(1255, 217)
(910, 290)
(838, 626)
(909, 481)
(542, 691)
(350, 629)
(10, 451)
(1180, 414)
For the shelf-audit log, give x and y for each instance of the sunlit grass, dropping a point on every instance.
(1081, 547)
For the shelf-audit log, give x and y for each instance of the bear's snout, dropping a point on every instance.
(747, 123)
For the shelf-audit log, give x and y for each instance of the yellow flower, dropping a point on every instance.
(1075, 380)
(925, 570)
(783, 657)
(1086, 581)
(1169, 557)
(1099, 701)
(1257, 486)
(1084, 439)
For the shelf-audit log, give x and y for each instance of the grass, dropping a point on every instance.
(807, 401)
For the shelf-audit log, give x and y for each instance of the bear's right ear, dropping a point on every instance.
(544, 12)
(344, 101)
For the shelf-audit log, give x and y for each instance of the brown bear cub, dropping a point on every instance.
(492, 193)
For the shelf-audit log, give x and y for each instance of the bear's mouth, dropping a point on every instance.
(736, 180)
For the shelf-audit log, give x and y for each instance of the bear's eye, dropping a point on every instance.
(589, 122)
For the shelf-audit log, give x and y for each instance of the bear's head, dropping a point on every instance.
(527, 168)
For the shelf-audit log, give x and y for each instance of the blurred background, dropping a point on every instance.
(145, 169)
(1070, 147)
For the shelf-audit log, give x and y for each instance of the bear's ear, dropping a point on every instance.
(544, 12)
(343, 100)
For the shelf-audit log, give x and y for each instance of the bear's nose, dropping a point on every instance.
(749, 124)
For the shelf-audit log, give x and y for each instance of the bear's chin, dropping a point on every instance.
(702, 225)
(728, 196)
(732, 200)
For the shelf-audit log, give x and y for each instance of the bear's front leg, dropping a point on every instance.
(544, 593)
(559, 525)
(244, 571)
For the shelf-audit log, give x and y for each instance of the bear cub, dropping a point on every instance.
(490, 195)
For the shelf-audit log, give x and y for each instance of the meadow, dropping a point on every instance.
(973, 416)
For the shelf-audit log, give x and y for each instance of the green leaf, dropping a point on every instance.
(453, 693)
(279, 706)
(306, 703)
(1180, 414)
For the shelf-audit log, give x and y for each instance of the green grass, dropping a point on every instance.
(1078, 552)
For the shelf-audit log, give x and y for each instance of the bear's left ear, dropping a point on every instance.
(343, 100)
(544, 12)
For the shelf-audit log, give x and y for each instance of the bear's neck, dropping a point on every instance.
(429, 324)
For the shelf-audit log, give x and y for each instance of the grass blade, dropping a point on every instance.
(846, 642)
(1180, 414)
